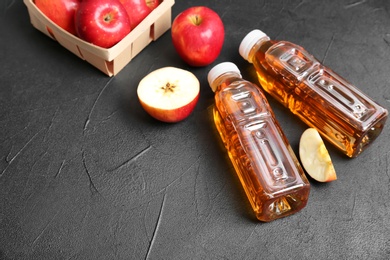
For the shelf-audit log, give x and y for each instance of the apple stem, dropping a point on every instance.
(107, 18)
(196, 20)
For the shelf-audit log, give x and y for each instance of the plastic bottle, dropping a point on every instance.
(268, 169)
(343, 115)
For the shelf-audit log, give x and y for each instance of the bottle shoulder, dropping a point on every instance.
(237, 85)
(243, 101)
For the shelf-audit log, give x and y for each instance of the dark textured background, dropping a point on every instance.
(85, 173)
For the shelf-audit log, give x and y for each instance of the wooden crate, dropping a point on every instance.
(111, 60)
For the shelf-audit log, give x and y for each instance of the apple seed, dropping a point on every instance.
(168, 87)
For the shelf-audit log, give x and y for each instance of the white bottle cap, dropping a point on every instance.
(220, 69)
(249, 40)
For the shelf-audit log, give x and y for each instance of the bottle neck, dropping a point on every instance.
(225, 80)
(256, 47)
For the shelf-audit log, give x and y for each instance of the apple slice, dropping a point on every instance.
(169, 94)
(315, 157)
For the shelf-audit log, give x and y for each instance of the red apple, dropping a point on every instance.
(169, 94)
(152, 4)
(137, 10)
(198, 35)
(102, 22)
(61, 12)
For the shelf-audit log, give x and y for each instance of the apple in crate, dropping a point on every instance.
(153, 3)
(169, 94)
(61, 12)
(102, 22)
(139, 9)
(198, 34)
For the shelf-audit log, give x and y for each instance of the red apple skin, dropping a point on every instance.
(173, 115)
(152, 4)
(61, 12)
(137, 10)
(198, 34)
(102, 22)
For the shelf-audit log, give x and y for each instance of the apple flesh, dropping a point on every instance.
(61, 12)
(169, 94)
(315, 157)
(102, 22)
(198, 34)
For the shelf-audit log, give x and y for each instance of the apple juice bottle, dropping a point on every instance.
(268, 169)
(343, 114)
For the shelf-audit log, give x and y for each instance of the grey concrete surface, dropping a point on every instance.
(85, 173)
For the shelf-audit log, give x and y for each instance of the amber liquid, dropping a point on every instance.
(268, 170)
(344, 116)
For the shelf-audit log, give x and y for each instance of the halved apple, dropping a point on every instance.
(169, 94)
(315, 157)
